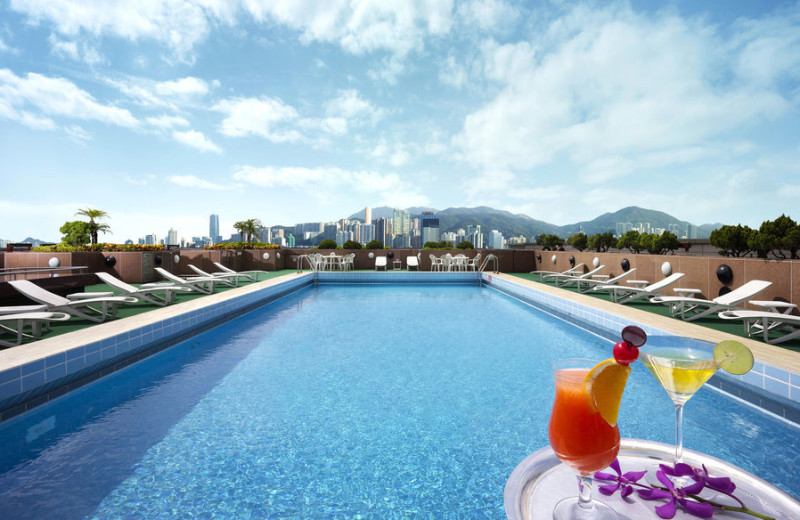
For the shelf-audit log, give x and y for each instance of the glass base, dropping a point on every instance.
(568, 509)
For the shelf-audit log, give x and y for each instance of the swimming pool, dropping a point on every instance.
(405, 401)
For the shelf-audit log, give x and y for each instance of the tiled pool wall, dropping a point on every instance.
(398, 277)
(24, 387)
(772, 388)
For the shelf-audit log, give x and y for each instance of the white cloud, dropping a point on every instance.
(263, 117)
(55, 97)
(452, 73)
(178, 24)
(196, 140)
(615, 89)
(77, 51)
(165, 122)
(172, 94)
(78, 134)
(318, 182)
(4, 47)
(192, 181)
(488, 15)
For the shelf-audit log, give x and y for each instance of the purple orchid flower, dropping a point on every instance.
(677, 496)
(721, 484)
(622, 481)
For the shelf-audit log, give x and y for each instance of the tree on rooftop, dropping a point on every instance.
(374, 244)
(94, 216)
(329, 244)
(351, 244)
(601, 242)
(659, 244)
(465, 244)
(76, 233)
(779, 235)
(733, 240)
(630, 240)
(579, 241)
(549, 242)
(248, 229)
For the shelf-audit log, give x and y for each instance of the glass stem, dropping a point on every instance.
(678, 433)
(585, 492)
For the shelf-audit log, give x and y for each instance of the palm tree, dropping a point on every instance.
(95, 227)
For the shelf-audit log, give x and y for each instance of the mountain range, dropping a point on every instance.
(510, 224)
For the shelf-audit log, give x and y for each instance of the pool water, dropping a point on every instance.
(401, 401)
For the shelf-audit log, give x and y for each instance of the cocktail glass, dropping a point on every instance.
(681, 372)
(581, 438)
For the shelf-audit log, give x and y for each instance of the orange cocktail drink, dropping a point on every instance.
(579, 435)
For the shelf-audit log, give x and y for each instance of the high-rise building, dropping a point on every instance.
(367, 233)
(383, 228)
(401, 222)
(367, 215)
(430, 228)
(213, 228)
(172, 237)
(496, 240)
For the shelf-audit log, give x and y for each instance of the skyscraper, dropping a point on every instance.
(213, 228)
(172, 237)
(430, 228)
(367, 215)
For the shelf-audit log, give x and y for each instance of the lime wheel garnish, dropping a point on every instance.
(733, 357)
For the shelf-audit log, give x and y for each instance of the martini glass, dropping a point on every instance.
(581, 438)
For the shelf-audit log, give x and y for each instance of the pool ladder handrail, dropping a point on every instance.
(490, 257)
(311, 263)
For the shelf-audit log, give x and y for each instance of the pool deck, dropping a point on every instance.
(769, 354)
(40, 370)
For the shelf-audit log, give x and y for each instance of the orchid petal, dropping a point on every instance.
(626, 490)
(723, 484)
(698, 509)
(633, 476)
(684, 470)
(615, 466)
(667, 469)
(608, 490)
(653, 494)
(667, 510)
(605, 476)
(694, 489)
(662, 477)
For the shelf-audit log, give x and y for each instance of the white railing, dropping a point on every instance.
(490, 257)
(13, 273)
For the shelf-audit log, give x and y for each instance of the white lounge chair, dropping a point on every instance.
(15, 325)
(412, 262)
(250, 275)
(562, 279)
(584, 285)
(93, 309)
(161, 294)
(229, 279)
(625, 294)
(572, 270)
(766, 324)
(21, 309)
(380, 261)
(690, 309)
(203, 284)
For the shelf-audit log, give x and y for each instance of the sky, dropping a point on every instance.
(161, 113)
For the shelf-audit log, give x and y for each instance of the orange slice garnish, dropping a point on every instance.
(605, 384)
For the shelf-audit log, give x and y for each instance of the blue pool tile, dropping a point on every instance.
(75, 353)
(93, 358)
(56, 372)
(55, 359)
(32, 367)
(73, 365)
(108, 352)
(754, 378)
(10, 388)
(92, 347)
(776, 373)
(776, 387)
(794, 393)
(11, 374)
(32, 381)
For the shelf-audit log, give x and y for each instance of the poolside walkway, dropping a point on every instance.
(770, 354)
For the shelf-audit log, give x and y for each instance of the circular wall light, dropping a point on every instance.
(625, 264)
(572, 261)
(724, 290)
(553, 258)
(596, 262)
(278, 256)
(176, 259)
(54, 262)
(666, 269)
(724, 274)
(265, 256)
(158, 260)
(371, 255)
(539, 257)
(390, 255)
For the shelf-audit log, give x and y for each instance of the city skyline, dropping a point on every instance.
(161, 113)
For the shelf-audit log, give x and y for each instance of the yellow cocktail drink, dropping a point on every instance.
(681, 371)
